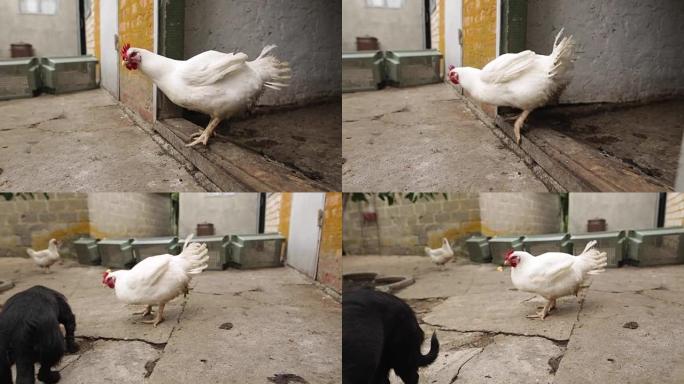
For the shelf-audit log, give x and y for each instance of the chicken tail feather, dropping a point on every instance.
(563, 55)
(594, 260)
(275, 73)
(195, 257)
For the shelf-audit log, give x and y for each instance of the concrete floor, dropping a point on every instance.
(257, 326)
(82, 142)
(627, 331)
(424, 138)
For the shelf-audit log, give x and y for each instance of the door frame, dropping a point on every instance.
(117, 81)
(453, 28)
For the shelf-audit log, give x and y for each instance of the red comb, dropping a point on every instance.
(509, 253)
(124, 50)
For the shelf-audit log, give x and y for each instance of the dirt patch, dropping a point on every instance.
(631, 325)
(287, 378)
(554, 362)
(149, 367)
(226, 326)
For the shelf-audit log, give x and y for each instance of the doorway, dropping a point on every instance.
(305, 232)
(109, 46)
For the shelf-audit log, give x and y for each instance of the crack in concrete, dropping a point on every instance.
(458, 372)
(559, 342)
(102, 338)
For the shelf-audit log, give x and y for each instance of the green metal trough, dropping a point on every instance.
(659, 246)
(612, 243)
(256, 251)
(499, 245)
(478, 249)
(116, 253)
(68, 74)
(362, 71)
(552, 242)
(19, 78)
(410, 68)
(87, 251)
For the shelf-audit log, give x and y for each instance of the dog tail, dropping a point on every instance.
(424, 360)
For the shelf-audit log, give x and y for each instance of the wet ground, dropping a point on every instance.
(644, 137)
(83, 142)
(305, 139)
(626, 331)
(424, 138)
(258, 326)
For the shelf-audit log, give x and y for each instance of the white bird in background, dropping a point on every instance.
(158, 279)
(218, 84)
(441, 256)
(45, 258)
(522, 80)
(553, 275)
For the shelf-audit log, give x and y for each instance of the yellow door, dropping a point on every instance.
(479, 32)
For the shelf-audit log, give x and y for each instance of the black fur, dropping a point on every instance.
(30, 333)
(380, 332)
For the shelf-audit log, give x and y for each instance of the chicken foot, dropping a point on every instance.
(159, 318)
(147, 311)
(519, 122)
(206, 133)
(550, 304)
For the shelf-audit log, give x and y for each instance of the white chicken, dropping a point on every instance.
(441, 256)
(158, 279)
(522, 80)
(553, 275)
(218, 84)
(46, 257)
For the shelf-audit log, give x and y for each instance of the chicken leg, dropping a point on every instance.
(550, 304)
(204, 136)
(147, 311)
(519, 124)
(159, 318)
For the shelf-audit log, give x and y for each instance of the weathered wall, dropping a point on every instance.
(395, 29)
(330, 251)
(620, 210)
(628, 49)
(479, 32)
(405, 228)
(305, 31)
(121, 215)
(674, 210)
(136, 27)
(231, 213)
(520, 213)
(50, 35)
(272, 214)
(33, 222)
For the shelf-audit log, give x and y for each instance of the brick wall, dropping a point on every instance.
(520, 213)
(115, 215)
(674, 210)
(272, 216)
(33, 222)
(330, 250)
(136, 23)
(405, 228)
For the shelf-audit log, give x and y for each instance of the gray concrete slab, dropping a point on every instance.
(234, 327)
(254, 330)
(82, 142)
(424, 138)
(627, 330)
(125, 362)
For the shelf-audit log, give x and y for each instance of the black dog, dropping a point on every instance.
(30, 333)
(380, 332)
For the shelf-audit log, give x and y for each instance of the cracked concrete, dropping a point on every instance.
(84, 141)
(627, 330)
(234, 327)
